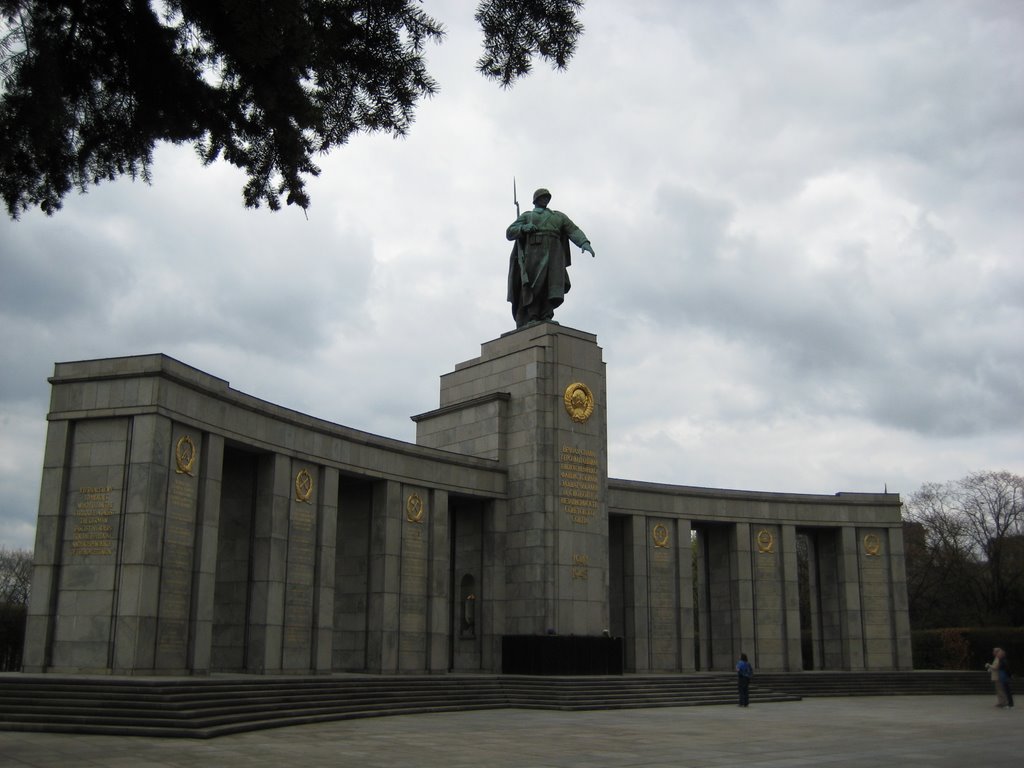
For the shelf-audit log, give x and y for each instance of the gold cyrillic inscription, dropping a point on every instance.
(578, 483)
(93, 533)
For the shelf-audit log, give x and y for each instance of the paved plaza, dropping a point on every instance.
(903, 731)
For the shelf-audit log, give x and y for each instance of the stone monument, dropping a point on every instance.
(188, 528)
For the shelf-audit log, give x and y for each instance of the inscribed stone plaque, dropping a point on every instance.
(412, 612)
(298, 605)
(94, 521)
(876, 601)
(769, 596)
(177, 557)
(663, 596)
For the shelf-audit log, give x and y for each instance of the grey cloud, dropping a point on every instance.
(47, 276)
(806, 219)
(839, 340)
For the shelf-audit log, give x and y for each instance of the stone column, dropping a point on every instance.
(851, 621)
(304, 516)
(776, 597)
(175, 628)
(50, 525)
(269, 564)
(703, 604)
(385, 578)
(816, 599)
(831, 591)
(324, 577)
(769, 599)
(492, 611)
(791, 601)
(205, 561)
(635, 595)
(878, 593)
(664, 594)
(743, 633)
(685, 624)
(438, 597)
(357, 564)
(138, 588)
(719, 594)
(93, 533)
(901, 607)
(414, 578)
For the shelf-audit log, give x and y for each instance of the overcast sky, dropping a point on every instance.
(808, 225)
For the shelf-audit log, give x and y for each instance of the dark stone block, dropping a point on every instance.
(561, 655)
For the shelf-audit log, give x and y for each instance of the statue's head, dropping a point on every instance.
(541, 197)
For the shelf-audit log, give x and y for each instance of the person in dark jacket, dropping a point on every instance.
(743, 674)
(1004, 678)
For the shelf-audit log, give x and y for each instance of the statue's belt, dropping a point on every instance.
(535, 237)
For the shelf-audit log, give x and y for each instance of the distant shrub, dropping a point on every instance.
(12, 636)
(966, 647)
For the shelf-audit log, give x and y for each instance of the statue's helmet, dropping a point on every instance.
(541, 193)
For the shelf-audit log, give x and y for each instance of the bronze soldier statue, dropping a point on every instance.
(538, 276)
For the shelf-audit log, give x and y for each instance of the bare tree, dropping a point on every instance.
(15, 576)
(992, 504)
(973, 531)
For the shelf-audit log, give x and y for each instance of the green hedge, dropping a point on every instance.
(967, 647)
(12, 636)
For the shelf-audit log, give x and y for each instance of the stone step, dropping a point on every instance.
(877, 683)
(216, 706)
(202, 728)
(254, 694)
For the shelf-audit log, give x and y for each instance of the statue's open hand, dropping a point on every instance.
(587, 247)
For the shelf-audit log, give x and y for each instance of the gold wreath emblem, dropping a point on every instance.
(414, 508)
(579, 402)
(872, 545)
(184, 455)
(765, 541)
(303, 486)
(660, 536)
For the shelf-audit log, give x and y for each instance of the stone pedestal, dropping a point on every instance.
(535, 401)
